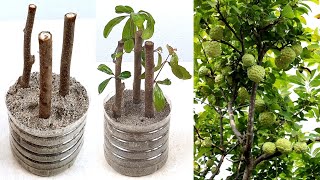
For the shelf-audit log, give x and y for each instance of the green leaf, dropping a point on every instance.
(165, 82)
(159, 63)
(138, 20)
(179, 71)
(128, 45)
(128, 30)
(317, 130)
(143, 76)
(116, 55)
(125, 75)
(104, 68)
(103, 85)
(158, 98)
(123, 9)
(111, 24)
(148, 32)
(287, 12)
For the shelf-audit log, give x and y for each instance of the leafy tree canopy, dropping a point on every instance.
(256, 75)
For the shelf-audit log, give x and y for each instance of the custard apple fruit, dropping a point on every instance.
(216, 33)
(212, 49)
(256, 73)
(267, 119)
(297, 48)
(283, 145)
(206, 142)
(269, 148)
(248, 60)
(280, 63)
(203, 71)
(300, 147)
(287, 55)
(213, 169)
(219, 79)
(226, 70)
(243, 94)
(210, 163)
(259, 105)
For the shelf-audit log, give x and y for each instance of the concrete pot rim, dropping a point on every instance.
(50, 133)
(135, 128)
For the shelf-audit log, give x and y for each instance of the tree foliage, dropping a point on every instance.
(282, 81)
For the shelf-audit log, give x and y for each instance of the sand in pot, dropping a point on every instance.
(56, 140)
(136, 145)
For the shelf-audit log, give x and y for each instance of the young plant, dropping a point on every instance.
(28, 58)
(257, 85)
(133, 34)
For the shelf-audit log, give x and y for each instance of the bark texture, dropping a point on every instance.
(45, 51)
(148, 99)
(28, 58)
(119, 86)
(67, 45)
(137, 67)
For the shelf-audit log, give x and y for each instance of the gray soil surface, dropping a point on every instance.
(23, 104)
(133, 114)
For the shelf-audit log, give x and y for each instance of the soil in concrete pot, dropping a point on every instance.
(133, 114)
(23, 104)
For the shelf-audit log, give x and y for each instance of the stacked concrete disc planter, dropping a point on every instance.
(135, 145)
(47, 111)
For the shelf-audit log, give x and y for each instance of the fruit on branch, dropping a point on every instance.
(248, 60)
(300, 147)
(216, 33)
(209, 163)
(243, 94)
(283, 145)
(197, 142)
(297, 48)
(259, 105)
(213, 169)
(204, 71)
(287, 55)
(267, 119)
(212, 49)
(226, 70)
(219, 79)
(206, 142)
(269, 148)
(256, 73)
(280, 63)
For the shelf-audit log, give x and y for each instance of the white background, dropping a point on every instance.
(90, 163)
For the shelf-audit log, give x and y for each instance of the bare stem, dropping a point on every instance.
(67, 45)
(137, 67)
(148, 99)
(119, 86)
(45, 51)
(28, 58)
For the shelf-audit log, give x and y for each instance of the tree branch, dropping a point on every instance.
(218, 167)
(137, 67)
(229, 44)
(231, 116)
(265, 157)
(116, 109)
(149, 80)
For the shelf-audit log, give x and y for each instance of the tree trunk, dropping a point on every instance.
(137, 67)
(148, 99)
(28, 58)
(119, 86)
(45, 50)
(68, 36)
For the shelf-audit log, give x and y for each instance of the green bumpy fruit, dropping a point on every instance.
(219, 79)
(269, 148)
(256, 73)
(267, 119)
(283, 145)
(280, 63)
(213, 169)
(206, 142)
(259, 105)
(226, 70)
(243, 94)
(248, 60)
(197, 143)
(216, 33)
(209, 163)
(287, 55)
(203, 71)
(300, 147)
(297, 48)
(212, 49)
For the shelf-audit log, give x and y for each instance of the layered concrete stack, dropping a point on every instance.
(136, 150)
(46, 153)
